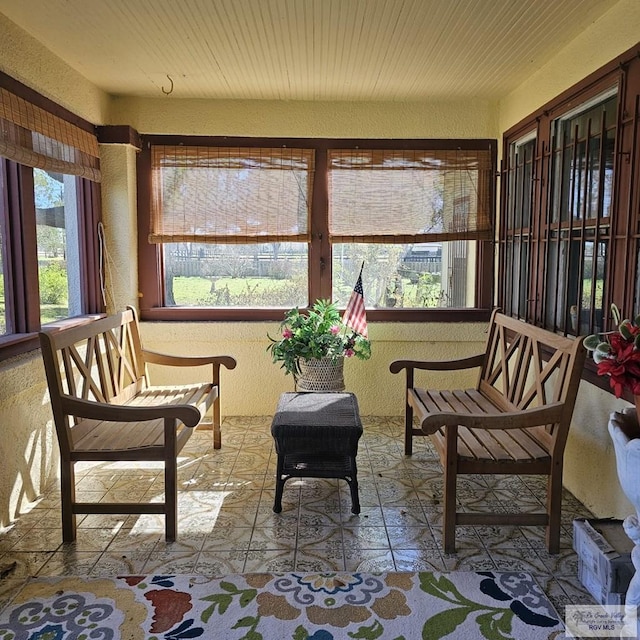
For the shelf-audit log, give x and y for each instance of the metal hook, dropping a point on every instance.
(166, 93)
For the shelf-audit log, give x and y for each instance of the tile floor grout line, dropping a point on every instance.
(392, 485)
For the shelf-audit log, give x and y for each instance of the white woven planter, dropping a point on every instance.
(321, 375)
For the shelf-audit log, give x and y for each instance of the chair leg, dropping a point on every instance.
(277, 504)
(353, 486)
(355, 499)
(171, 500)
(450, 477)
(554, 510)
(217, 436)
(408, 430)
(170, 480)
(68, 499)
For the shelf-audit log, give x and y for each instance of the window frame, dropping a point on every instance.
(622, 228)
(18, 219)
(150, 267)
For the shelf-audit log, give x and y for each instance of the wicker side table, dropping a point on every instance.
(316, 435)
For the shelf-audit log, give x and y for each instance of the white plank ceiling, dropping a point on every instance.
(306, 49)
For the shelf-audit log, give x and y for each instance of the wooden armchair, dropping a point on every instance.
(515, 421)
(105, 409)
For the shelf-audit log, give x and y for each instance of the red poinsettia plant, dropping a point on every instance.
(617, 354)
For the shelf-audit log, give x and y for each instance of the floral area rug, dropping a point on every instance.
(274, 606)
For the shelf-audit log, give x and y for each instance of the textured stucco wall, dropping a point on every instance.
(28, 448)
(590, 471)
(119, 218)
(462, 119)
(253, 387)
(25, 59)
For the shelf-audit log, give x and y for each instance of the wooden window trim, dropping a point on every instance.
(22, 264)
(151, 277)
(19, 236)
(22, 90)
(623, 230)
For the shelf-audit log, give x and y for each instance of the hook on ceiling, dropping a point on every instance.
(170, 91)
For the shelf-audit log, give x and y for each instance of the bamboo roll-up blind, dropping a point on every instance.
(415, 195)
(33, 136)
(230, 195)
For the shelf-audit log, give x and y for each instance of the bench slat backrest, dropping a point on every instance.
(101, 361)
(527, 367)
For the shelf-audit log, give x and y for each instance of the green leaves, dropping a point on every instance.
(441, 587)
(300, 633)
(602, 352)
(371, 632)
(251, 622)
(615, 312)
(316, 334)
(224, 600)
(496, 625)
(625, 329)
(220, 600)
(591, 342)
(617, 353)
(494, 622)
(444, 623)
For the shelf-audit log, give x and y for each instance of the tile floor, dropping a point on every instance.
(226, 522)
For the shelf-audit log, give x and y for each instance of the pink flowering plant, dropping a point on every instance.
(315, 334)
(617, 354)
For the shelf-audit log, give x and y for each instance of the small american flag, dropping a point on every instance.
(355, 315)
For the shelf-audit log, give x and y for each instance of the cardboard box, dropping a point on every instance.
(604, 558)
(590, 582)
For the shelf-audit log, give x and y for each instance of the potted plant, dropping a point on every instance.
(617, 354)
(313, 344)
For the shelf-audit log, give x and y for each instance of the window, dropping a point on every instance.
(58, 246)
(518, 223)
(569, 227)
(241, 228)
(49, 211)
(233, 224)
(578, 229)
(439, 200)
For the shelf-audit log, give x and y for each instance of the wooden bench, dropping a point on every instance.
(515, 421)
(105, 409)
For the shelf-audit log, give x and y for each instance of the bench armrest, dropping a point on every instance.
(154, 357)
(549, 414)
(94, 410)
(438, 365)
